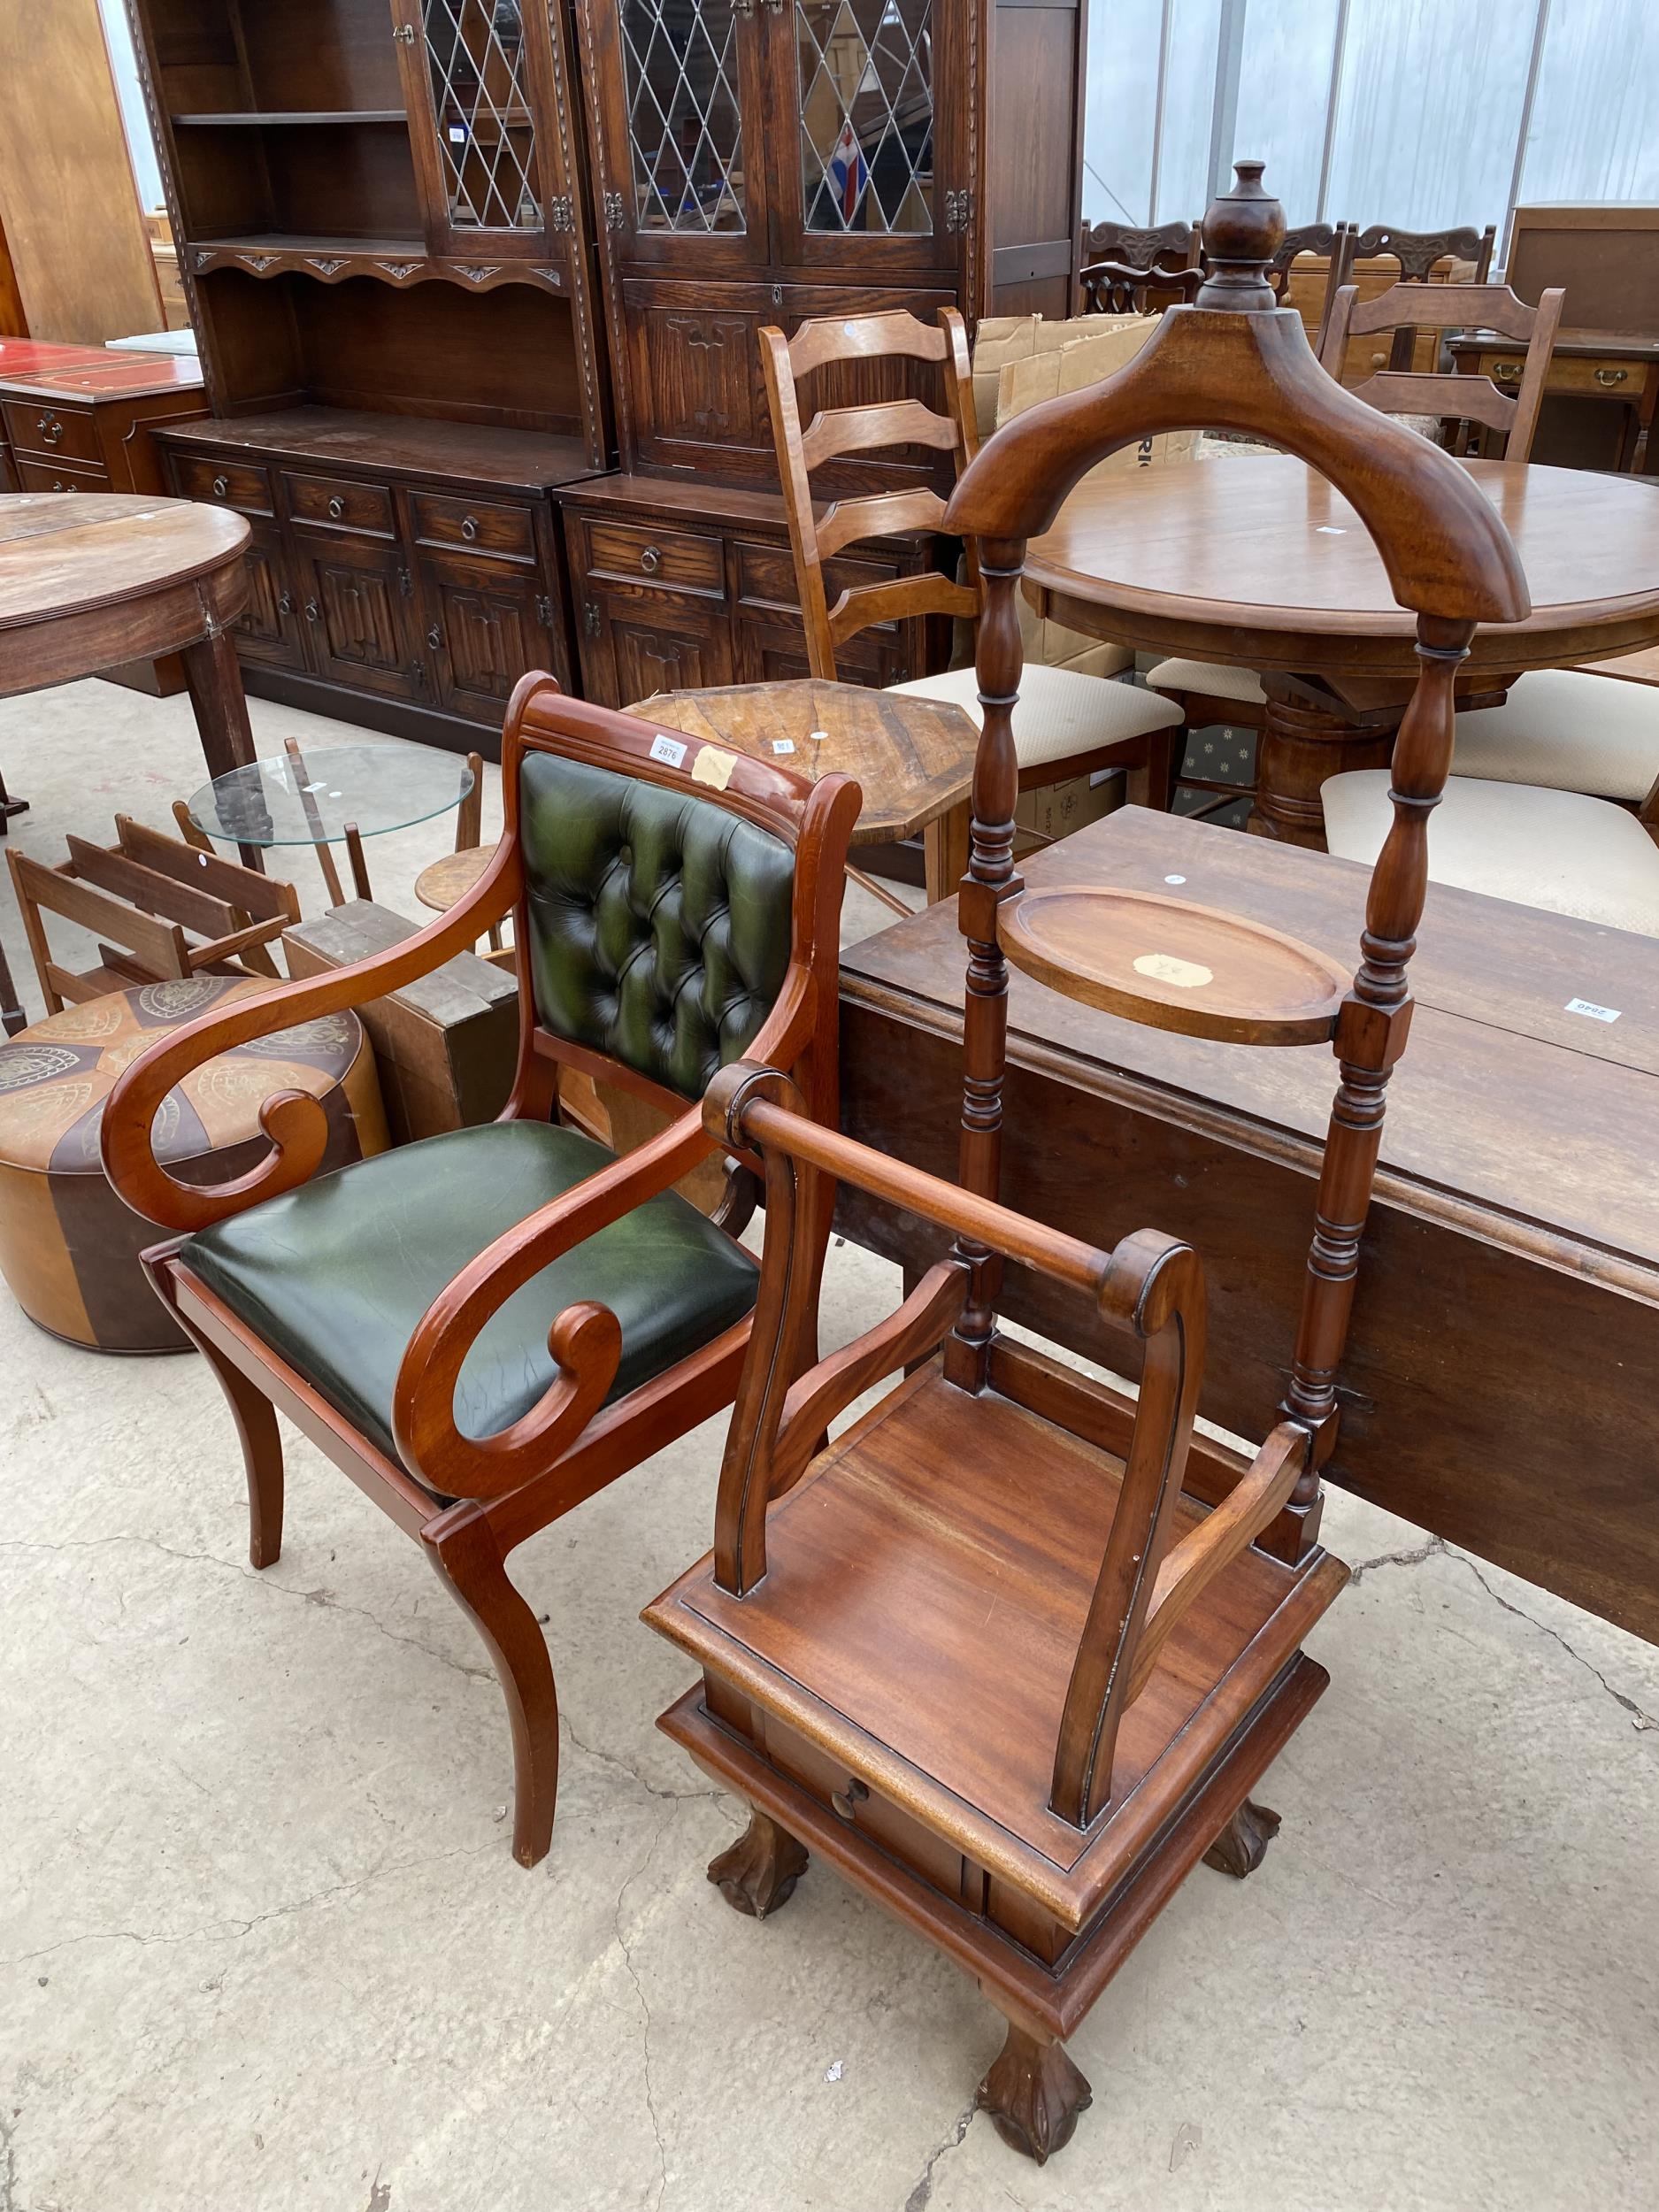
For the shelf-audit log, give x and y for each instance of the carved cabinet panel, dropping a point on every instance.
(487, 624)
(635, 645)
(272, 629)
(357, 609)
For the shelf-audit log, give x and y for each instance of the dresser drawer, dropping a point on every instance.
(897, 1833)
(1602, 380)
(57, 476)
(239, 484)
(669, 560)
(479, 525)
(767, 578)
(56, 433)
(340, 503)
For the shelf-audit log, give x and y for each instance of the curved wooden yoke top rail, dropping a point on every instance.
(1446, 552)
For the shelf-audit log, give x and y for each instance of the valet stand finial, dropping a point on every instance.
(1242, 232)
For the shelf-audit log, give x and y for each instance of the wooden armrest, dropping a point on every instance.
(295, 1122)
(1195, 1562)
(585, 1339)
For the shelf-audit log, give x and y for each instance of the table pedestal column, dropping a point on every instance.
(1302, 746)
(213, 675)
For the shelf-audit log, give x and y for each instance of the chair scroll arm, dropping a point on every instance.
(1193, 1564)
(1157, 1285)
(584, 1339)
(294, 1121)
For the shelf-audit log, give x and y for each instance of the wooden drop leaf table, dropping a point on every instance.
(1502, 1384)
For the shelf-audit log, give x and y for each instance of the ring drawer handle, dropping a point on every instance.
(221, 485)
(49, 429)
(285, 603)
(1507, 372)
(469, 527)
(336, 508)
(59, 486)
(314, 612)
(435, 638)
(846, 1802)
(1608, 378)
(651, 559)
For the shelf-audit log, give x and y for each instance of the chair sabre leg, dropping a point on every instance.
(261, 1445)
(1243, 1844)
(468, 1561)
(758, 1872)
(1034, 2094)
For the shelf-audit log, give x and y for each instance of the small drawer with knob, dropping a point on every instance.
(862, 1810)
(52, 433)
(1584, 375)
(662, 560)
(487, 526)
(57, 476)
(340, 503)
(216, 483)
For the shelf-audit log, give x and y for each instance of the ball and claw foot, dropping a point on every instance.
(1243, 1844)
(759, 1872)
(1033, 2094)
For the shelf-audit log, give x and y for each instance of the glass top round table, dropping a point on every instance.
(314, 795)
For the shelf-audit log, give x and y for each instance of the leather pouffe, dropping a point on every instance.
(69, 1247)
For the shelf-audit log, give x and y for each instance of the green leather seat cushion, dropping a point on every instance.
(335, 1276)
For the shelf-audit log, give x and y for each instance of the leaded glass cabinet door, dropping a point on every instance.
(875, 93)
(685, 175)
(482, 93)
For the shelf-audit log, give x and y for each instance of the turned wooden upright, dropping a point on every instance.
(1233, 360)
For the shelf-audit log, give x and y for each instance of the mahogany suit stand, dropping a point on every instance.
(1012, 1651)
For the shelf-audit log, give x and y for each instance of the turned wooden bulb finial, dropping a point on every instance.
(1243, 230)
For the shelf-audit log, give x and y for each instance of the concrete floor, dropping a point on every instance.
(265, 1947)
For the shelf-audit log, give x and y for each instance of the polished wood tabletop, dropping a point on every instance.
(1255, 561)
(69, 554)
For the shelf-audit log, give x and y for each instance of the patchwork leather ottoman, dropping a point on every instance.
(69, 1247)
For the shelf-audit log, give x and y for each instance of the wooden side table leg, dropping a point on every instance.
(945, 853)
(8, 806)
(213, 677)
(1301, 747)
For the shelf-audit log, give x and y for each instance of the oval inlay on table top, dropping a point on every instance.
(1174, 965)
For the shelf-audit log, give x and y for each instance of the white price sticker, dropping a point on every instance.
(783, 744)
(669, 750)
(1595, 1013)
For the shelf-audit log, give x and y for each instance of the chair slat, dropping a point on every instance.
(898, 599)
(1465, 398)
(864, 337)
(833, 431)
(882, 514)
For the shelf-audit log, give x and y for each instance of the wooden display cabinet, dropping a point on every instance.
(765, 163)
(384, 239)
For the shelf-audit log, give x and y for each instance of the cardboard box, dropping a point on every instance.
(1041, 817)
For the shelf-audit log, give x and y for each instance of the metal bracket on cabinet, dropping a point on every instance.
(590, 617)
(959, 210)
(561, 214)
(403, 34)
(544, 610)
(616, 214)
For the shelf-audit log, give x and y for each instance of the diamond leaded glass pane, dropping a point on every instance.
(475, 56)
(684, 125)
(866, 113)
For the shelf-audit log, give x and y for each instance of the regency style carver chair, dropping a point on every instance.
(1070, 724)
(1011, 1652)
(491, 1324)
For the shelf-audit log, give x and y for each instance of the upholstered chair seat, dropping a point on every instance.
(1210, 679)
(1061, 714)
(1568, 728)
(337, 1275)
(1537, 848)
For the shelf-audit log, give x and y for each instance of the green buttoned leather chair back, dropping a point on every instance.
(659, 924)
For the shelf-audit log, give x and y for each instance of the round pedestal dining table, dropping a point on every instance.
(1255, 561)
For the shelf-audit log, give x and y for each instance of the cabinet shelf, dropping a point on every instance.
(400, 262)
(253, 118)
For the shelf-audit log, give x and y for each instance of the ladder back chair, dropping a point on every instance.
(491, 1324)
(1418, 254)
(1169, 245)
(1073, 723)
(1326, 241)
(1011, 1652)
(1461, 400)
(1116, 287)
